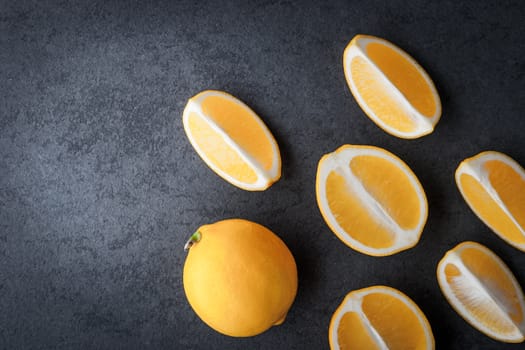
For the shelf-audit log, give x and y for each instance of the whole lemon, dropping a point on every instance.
(239, 277)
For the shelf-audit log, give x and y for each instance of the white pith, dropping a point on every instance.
(353, 302)
(474, 167)
(339, 161)
(264, 177)
(424, 125)
(481, 294)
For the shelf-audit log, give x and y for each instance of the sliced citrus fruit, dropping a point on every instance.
(391, 87)
(379, 317)
(232, 140)
(482, 289)
(371, 199)
(493, 185)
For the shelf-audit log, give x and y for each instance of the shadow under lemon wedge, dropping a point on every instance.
(391, 87)
(381, 318)
(493, 185)
(371, 199)
(482, 289)
(232, 140)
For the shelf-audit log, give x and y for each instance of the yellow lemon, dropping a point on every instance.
(232, 140)
(239, 277)
(391, 87)
(482, 289)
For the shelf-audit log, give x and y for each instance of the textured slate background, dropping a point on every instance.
(99, 187)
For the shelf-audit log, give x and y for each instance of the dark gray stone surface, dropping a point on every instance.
(99, 187)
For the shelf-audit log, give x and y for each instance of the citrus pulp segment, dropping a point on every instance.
(371, 199)
(232, 140)
(381, 318)
(391, 87)
(493, 185)
(482, 289)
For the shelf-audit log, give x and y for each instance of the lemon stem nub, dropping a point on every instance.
(196, 237)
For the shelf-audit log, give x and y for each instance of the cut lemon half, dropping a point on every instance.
(482, 289)
(371, 199)
(232, 140)
(391, 87)
(493, 185)
(379, 318)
